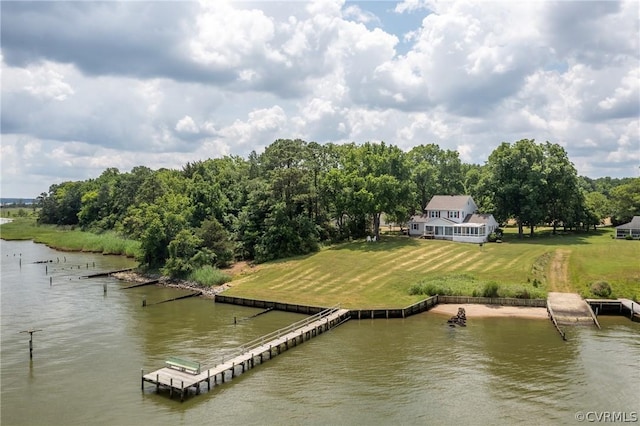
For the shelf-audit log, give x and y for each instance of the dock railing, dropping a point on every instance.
(260, 341)
(555, 322)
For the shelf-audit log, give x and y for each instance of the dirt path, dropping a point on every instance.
(559, 271)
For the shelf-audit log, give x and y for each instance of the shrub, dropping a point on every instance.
(493, 237)
(209, 276)
(490, 289)
(429, 289)
(628, 237)
(601, 289)
(522, 293)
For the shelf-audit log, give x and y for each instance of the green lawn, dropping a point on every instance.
(376, 275)
(380, 275)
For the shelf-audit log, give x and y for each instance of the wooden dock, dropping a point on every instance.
(625, 307)
(569, 309)
(244, 357)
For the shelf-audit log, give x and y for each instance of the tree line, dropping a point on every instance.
(297, 195)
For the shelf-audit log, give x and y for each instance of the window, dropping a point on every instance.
(453, 214)
(434, 213)
(414, 226)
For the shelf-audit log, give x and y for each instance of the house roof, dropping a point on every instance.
(634, 224)
(448, 202)
(478, 218)
(421, 218)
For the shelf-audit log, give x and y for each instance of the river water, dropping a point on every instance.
(88, 357)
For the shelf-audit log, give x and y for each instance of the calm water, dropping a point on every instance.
(87, 360)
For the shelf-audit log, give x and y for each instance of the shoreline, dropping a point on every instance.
(136, 277)
(474, 310)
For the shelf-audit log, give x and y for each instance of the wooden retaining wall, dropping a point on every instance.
(416, 308)
(266, 304)
(504, 301)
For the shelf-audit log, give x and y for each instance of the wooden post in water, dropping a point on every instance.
(50, 281)
(144, 301)
(104, 287)
(31, 331)
(142, 379)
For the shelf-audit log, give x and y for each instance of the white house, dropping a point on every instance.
(453, 217)
(632, 228)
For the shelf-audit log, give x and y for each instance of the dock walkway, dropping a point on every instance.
(245, 356)
(620, 306)
(570, 309)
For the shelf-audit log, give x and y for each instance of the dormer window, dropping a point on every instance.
(454, 214)
(434, 213)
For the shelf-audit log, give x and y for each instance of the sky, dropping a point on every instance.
(92, 85)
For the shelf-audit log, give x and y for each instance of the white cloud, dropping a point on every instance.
(186, 125)
(228, 37)
(261, 128)
(216, 78)
(45, 81)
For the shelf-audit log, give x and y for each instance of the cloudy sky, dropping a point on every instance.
(91, 85)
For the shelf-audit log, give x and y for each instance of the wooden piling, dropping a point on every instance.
(31, 331)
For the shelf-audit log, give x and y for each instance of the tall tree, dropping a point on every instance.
(515, 177)
(562, 196)
(386, 174)
(625, 200)
(435, 172)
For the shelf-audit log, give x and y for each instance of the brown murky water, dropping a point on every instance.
(87, 360)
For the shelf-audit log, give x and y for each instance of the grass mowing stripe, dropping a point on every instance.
(363, 275)
(443, 263)
(460, 266)
(295, 277)
(424, 255)
(430, 261)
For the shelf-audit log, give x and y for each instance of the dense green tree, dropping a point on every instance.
(599, 205)
(563, 200)
(625, 201)
(435, 172)
(218, 240)
(515, 177)
(62, 204)
(386, 174)
(182, 254)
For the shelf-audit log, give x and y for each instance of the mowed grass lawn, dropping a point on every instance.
(378, 275)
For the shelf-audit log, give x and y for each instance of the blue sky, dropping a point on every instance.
(92, 85)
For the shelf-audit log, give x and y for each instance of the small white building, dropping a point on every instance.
(632, 228)
(453, 217)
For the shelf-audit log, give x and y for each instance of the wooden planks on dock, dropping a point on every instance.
(247, 355)
(621, 306)
(570, 309)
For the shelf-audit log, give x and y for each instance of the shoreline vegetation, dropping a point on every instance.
(68, 238)
(396, 271)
